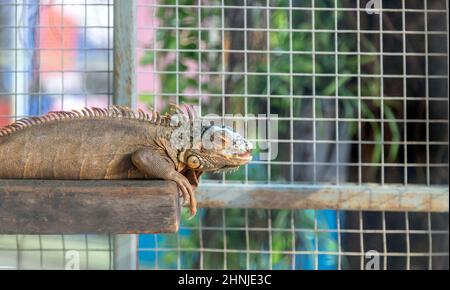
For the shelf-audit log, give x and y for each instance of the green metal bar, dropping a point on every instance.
(125, 27)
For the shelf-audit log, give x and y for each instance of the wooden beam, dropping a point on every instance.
(365, 197)
(88, 207)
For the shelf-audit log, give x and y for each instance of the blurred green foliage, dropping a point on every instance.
(279, 63)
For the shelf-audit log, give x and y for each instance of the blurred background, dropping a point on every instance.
(360, 94)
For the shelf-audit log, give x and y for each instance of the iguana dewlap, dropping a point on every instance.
(117, 143)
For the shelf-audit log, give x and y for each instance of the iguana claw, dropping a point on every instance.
(187, 193)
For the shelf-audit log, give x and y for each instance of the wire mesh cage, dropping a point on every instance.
(54, 55)
(351, 93)
(352, 86)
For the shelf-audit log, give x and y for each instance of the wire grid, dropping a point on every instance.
(54, 55)
(219, 89)
(359, 94)
(253, 238)
(28, 252)
(402, 240)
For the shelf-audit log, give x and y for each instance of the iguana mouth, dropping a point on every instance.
(241, 153)
(239, 158)
(247, 156)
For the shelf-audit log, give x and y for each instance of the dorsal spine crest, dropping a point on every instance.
(152, 117)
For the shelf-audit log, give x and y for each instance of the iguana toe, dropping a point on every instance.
(188, 194)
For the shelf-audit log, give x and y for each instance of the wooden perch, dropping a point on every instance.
(88, 207)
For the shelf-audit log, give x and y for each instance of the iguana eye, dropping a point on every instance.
(193, 162)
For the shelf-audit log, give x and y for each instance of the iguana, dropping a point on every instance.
(119, 143)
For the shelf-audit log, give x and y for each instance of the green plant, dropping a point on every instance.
(289, 60)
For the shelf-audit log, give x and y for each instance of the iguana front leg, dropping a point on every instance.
(193, 176)
(155, 164)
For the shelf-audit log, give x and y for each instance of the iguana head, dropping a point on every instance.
(221, 149)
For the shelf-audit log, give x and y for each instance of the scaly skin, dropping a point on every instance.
(110, 143)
